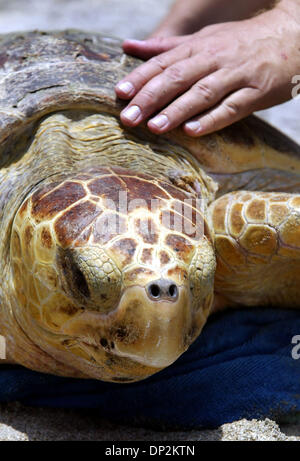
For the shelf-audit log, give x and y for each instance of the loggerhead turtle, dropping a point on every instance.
(116, 244)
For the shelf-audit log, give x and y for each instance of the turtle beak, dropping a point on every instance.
(158, 319)
(151, 326)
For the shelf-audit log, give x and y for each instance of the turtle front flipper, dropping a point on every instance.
(257, 238)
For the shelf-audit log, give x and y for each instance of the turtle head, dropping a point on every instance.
(113, 272)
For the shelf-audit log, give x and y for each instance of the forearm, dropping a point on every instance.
(188, 16)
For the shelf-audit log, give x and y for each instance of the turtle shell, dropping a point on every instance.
(42, 72)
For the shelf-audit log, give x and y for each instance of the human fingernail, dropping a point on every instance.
(125, 87)
(132, 113)
(161, 121)
(193, 126)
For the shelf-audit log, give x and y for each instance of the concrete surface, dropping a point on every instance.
(133, 18)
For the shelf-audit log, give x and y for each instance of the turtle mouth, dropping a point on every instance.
(142, 330)
(138, 338)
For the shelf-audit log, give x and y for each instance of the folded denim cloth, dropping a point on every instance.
(241, 366)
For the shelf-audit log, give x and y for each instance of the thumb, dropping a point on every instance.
(147, 48)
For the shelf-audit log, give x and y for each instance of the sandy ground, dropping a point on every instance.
(134, 18)
(23, 423)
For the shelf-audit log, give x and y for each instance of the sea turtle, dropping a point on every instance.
(116, 244)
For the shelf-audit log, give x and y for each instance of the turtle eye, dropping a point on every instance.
(90, 277)
(80, 281)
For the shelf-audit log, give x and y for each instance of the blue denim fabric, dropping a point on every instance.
(241, 366)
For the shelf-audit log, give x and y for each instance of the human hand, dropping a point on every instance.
(212, 78)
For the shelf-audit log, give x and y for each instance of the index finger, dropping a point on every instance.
(134, 81)
(145, 49)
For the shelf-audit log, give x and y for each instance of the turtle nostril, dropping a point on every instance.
(154, 290)
(173, 291)
(163, 289)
